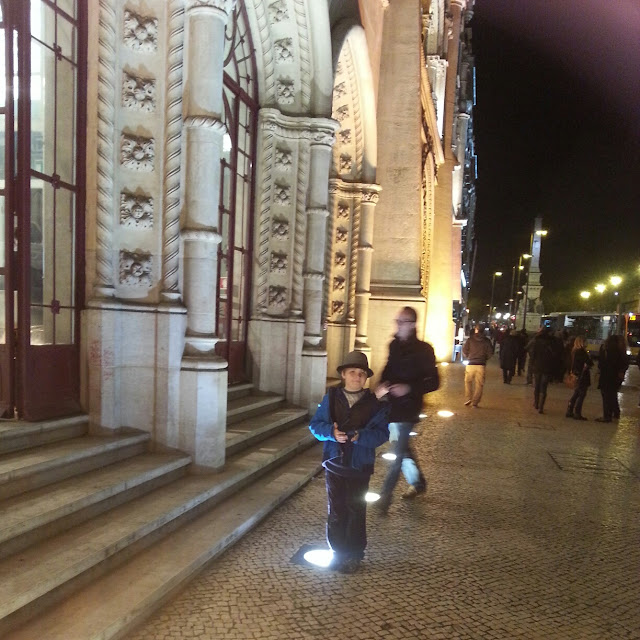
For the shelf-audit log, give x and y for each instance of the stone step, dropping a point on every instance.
(22, 471)
(43, 574)
(252, 430)
(18, 435)
(236, 391)
(120, 600)
(36, 515)
(245, 407)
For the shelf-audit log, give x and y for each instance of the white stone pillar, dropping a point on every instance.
(203, 386)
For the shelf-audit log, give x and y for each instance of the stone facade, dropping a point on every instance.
(359, 175)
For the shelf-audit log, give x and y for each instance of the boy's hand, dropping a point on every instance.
(340, 436)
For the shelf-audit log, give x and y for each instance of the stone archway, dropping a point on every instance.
(353, 196)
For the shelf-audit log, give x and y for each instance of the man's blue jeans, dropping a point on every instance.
(405, 460)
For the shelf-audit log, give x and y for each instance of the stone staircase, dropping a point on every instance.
(96, 532)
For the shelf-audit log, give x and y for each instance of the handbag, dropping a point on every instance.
(571, 379)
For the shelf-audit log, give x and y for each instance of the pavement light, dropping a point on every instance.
(422, 416)
(319, 557)
(389, 456)
(444, 364)
(371, 497)
(465, 362)
(413, 433)
(445, 414)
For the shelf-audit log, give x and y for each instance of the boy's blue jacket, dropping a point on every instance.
(371, 435)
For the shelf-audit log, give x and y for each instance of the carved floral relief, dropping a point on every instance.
(278, 297)
(282, 194)
(283, 50)
(135, 268)
(342, 235)
(280, 229)
(283, 158)
(137, 153)
(279, 262)
(136, 211)
(140, 33)
(278, 11)
(285, 93)
(343, 210)
(138, 93)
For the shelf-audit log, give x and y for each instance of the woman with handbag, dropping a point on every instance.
(580, 376)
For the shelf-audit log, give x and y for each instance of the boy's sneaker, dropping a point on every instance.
(410, 493)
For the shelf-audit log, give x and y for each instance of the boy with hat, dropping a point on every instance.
(352, 423)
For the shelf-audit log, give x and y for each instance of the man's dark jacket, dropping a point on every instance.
(411, 362)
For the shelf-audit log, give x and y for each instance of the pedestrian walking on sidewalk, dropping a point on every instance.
(508, 356)
(547, 362)
(352, 423)
(580, 366)
(613, 364)
(410, 372)
(476, 351)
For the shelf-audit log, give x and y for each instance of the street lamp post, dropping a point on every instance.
(493, 284)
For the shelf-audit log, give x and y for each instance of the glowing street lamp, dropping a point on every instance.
(496, 274)
(600, 288)
(585, 294)
(615, 280)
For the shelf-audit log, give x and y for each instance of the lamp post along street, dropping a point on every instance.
(493, 284)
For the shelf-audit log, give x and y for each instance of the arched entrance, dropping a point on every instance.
(237, 193)
(42, 133)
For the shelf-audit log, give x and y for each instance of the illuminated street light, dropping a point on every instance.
(615, 280)
(542, 232)
(585, 294)
(496, 274)
(600, 288)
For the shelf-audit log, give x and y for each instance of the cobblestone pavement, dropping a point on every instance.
(529, 529)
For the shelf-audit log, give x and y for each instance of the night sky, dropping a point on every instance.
(557, 131)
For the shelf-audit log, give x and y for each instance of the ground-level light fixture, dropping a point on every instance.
(371, 496)
(444, 364)
(389, 456)
(444, 413)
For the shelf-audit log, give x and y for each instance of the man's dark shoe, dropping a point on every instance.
(601, 419)
(577, 417)
(569, 414)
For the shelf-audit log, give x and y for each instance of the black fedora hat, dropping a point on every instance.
(356, 360)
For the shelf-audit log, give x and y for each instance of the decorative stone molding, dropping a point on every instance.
(338, 283)
(205, 122)
(343, 210)
(370, 196)
(318, 211)
(314, 275)
(340, 90)
(278, 297)
(138, 94)
(136, 211)
(340, 259)
(135, 268)
(337, 307)
(202, 235)
(278, 11)
(137, 153)
(279, 262)
(346, 163)
(315, 130)
(283, 159)
(221, 5)
(285, 92)
(342, 113)
(283, 50)
(345, 136)
(280, 229)
(342, 235)
(140, 33)
(282, 194)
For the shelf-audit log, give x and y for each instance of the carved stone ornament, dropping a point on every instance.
(279, 263)
(340, 259)
(136, 211)
(136, 153)
(138, 94)
(282, 194)
(345, 136)
(343, 210)
(338, 283)
(370, 196)
(342, 234)
(140, 33)
(342, 113)
(278, 11)
(283, 50)
(285, 93)
(337, 307)
(278, 297)
(345, 162)
(280, 229)
(340, 90)
(283, 159)
(222, 5)
(135, 269)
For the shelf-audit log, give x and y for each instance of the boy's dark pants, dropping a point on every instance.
(347, 521)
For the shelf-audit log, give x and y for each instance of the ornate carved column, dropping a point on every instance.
(203, 383)
(204, 60)
(369, 199)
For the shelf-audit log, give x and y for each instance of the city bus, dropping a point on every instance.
(593, 326)
(631, 330)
